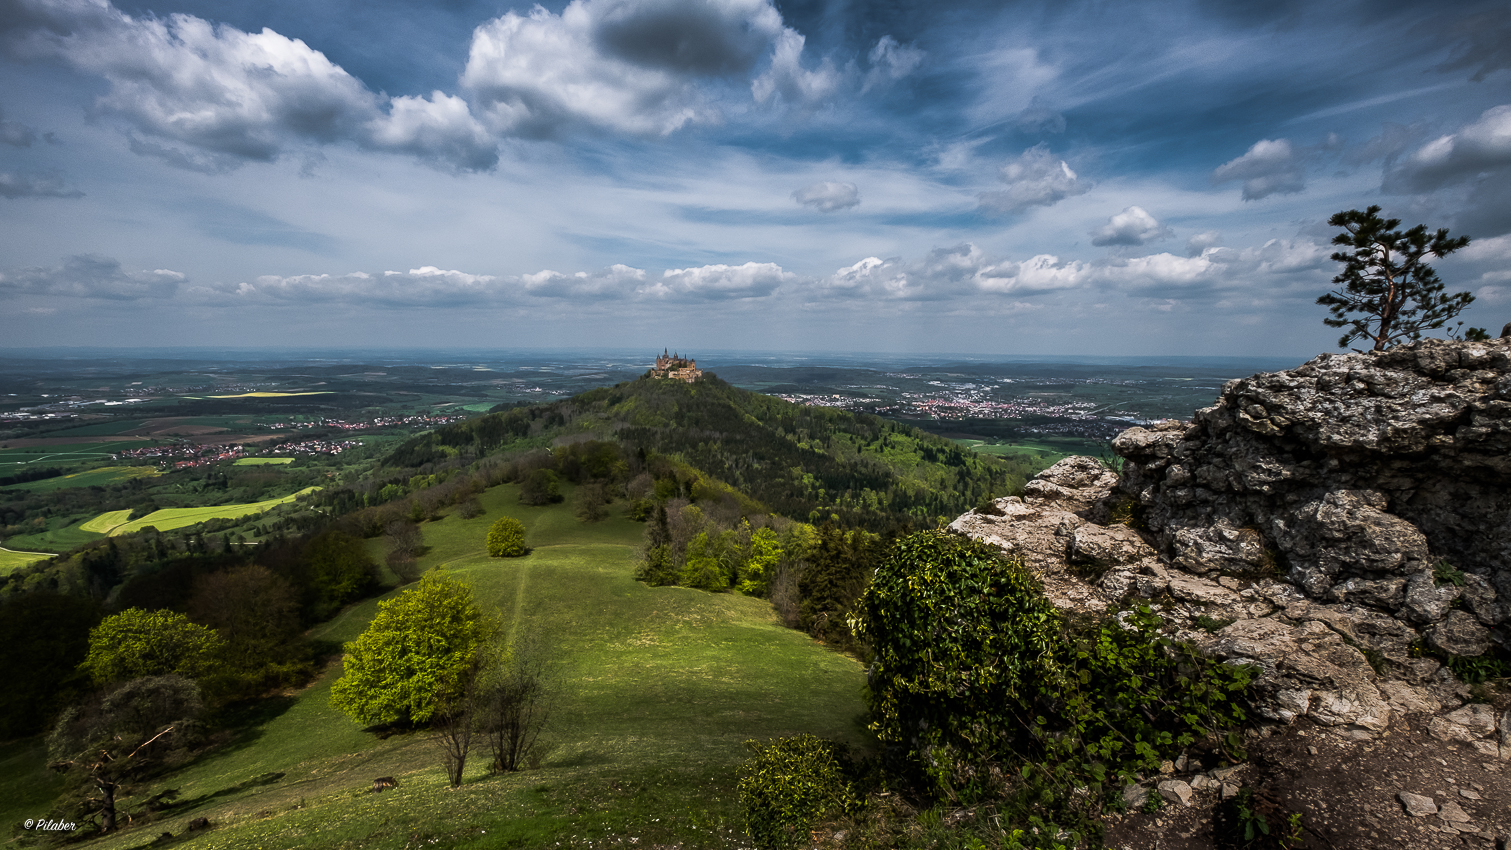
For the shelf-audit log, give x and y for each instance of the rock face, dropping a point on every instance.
(1356, 475)
(1325, 524)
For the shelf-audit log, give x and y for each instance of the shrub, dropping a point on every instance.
(788, 786)
(506, 538)
(137, 643)
(539, 487)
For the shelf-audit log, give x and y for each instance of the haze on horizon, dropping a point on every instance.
(1024, 178)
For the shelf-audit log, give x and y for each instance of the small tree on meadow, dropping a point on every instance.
(506, 538)
(1385, 280)
(416, 655)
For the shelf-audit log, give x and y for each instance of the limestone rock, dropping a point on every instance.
(1484, 602)
(1175, 791)
(1417, 805)
(1218, 547)
(1453, 813)
(1478, 718)
(1113, 545)
(1135, 796)
(1406, 699)
(1307, 670)
(1460, 633)
(1426, 601)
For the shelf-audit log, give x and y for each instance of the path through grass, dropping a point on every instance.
(659, 688)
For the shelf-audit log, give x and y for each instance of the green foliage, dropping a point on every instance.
(506, 538)
(337, 571)
(765, 554)
(1446, 573)
(417, 652)
(988, 693)
(539, 487)
(789, 785)
(963, 641)
(137, 643)
(1385, 279)
(1246, 822)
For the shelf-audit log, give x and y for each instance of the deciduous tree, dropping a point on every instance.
(137, 643)
(1386, 281)
(506, 538)
(415, 655)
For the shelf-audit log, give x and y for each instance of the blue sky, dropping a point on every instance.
(1018, 178)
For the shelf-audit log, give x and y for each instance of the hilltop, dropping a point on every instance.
(799, 461)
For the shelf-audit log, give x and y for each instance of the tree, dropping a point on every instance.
(513, 703)
(137, 643)
(254, 611)
(1385, 279)
(414, 655)
(338, 571)
(539, 488)
(107, 743)
(506, 538)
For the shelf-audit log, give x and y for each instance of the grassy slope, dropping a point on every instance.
(88, 478)
(660, 688)
(10, 560)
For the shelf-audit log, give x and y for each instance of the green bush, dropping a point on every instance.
(788, 786)
(987, 692)
(506, 538)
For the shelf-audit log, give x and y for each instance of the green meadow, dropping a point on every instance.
(262, 461)
(1046, 449)
(10, 560)
(98, 476)
(115, 523)
(66, 453)
(658, 688)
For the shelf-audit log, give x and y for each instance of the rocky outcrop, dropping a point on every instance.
(1381, 480)
(1335, 525)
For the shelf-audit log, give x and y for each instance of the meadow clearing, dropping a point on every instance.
(262, 461)
(658, 688)
(10, 559)
(1046, 450)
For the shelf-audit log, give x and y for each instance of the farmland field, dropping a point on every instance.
(10, 560)
(26, 452)
(658, 690)
(90, 477)
(171, 518)
(1048, 449)
(262, 461)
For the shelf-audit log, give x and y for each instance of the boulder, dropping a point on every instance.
(1460, 633)
(1306, 670)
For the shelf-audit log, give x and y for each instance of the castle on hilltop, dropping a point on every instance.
(676, 367)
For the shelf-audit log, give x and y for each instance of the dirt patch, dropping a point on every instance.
(1347, 794)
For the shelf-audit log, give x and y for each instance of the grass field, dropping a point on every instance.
(659, 688)
(262, 461)
(269, 395)
(100, 475)
(10, 560)
(114, 523)
(66, 453)
(1047, 450)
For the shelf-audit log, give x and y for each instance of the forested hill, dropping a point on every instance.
(796, 460)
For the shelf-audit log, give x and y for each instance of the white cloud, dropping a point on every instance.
(1202, 241)
(616, 281)
(91, 276)
(13, 185)
(788, 81)
(1132, 226)
(891, 62)
(1476, 148)
(427, 286)
(1270, 167)
(1039, 118)
(230, 96)
(719, 282)
(1037, 178)
(960, 270)
(828, 196)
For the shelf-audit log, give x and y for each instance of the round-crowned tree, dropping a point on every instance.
(506, 538)
(416, 654)
(138, 642)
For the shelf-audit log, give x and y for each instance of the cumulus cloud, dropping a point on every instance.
(719, 282)
(14, 185)
(219, 96)
(1477, 148)
(828, 196)
(788, 81)
(1132, 226)
(959, 270)
(1270, 167)
(1201, 242)
(890, 62)
(91, 276)
(705, 37)
(616, 281)
(1036, 179)
(427, 286)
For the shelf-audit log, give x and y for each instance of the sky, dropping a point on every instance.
(1063, 177)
